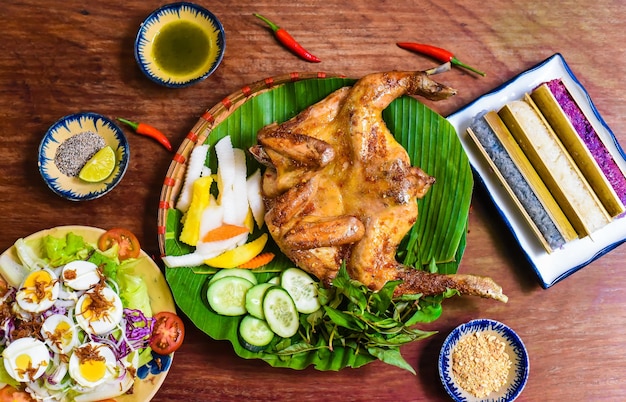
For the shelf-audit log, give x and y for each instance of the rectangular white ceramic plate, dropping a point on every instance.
(555, 266)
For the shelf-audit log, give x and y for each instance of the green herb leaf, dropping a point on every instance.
(381, 300)
(343, 320)
(428, 313)
(353, 290)
(391, 356)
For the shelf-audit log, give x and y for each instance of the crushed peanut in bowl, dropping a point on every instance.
(483, 360)
(480, 363)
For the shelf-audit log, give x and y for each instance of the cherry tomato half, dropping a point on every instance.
(10, 394)
(126, 240)
(168, 333)
(4, 286)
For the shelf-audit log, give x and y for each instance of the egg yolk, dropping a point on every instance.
(62, 333)
(23, 362)
(38, 285)
(86, 312)
(95, 309)
(92, 370)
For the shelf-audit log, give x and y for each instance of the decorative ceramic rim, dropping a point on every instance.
(520, 368)
(72, 188)
(175, 175)
(558, 265)
(176, 10)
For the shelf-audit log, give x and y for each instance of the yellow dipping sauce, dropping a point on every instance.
(183, 48)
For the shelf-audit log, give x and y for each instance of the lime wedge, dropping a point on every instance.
(99, 167)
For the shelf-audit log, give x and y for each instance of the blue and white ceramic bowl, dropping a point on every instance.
(69, 186)
(203, 22)
(518, 373)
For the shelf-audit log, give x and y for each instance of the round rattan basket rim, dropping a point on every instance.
(210, 119)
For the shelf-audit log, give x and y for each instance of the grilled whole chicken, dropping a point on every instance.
(339, 188)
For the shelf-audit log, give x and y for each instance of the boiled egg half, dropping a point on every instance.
(26, 359)
(81, 275)
(59, 333)
(39, 291)
(92, 363)
(99, 311)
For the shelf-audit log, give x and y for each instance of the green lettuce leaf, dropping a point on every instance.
(107, 264)
(29, 254)
(61, 250)
(5, 377)
(133, 289)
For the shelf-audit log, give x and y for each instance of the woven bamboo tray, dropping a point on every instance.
(429, 138)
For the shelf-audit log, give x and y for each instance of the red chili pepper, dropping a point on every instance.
(288, 41)
(148, 131)
(436, 53)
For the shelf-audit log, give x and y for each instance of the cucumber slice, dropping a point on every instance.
(227, 295)
(280, 312)
(275, 280)
(254, 299)
(302, 289)
(242, 273)
(255, 334)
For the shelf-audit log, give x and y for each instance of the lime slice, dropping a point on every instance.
(99, 167)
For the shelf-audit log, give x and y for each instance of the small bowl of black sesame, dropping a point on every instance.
(83, 156)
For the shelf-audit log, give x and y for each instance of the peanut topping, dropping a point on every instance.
(480, 364)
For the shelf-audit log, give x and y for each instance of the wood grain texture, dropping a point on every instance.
(61, 57)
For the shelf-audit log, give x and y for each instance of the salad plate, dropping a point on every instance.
(150, 376)
(431, 142)
(561, 263)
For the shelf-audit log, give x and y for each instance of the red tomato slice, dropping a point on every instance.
(4, 287)
(10, 394)
(168, 333)
(126, 240)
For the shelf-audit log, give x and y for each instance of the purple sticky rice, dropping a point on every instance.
(590, 137)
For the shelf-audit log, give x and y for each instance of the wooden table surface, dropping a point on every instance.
(60, 57)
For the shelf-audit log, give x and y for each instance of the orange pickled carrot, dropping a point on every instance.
(224, 232)
(258, 261)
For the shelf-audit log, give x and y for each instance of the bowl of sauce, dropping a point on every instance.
(179, 44)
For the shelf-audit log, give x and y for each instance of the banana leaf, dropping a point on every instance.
(438, 237)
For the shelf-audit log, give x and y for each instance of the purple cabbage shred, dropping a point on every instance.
(137, 330)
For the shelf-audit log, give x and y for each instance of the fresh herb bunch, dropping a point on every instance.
(372, 323)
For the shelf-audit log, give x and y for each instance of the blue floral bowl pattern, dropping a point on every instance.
(158, 364)
(72, 187)
(152, 26)
(518, 374)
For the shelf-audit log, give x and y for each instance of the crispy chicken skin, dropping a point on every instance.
(339, 187)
